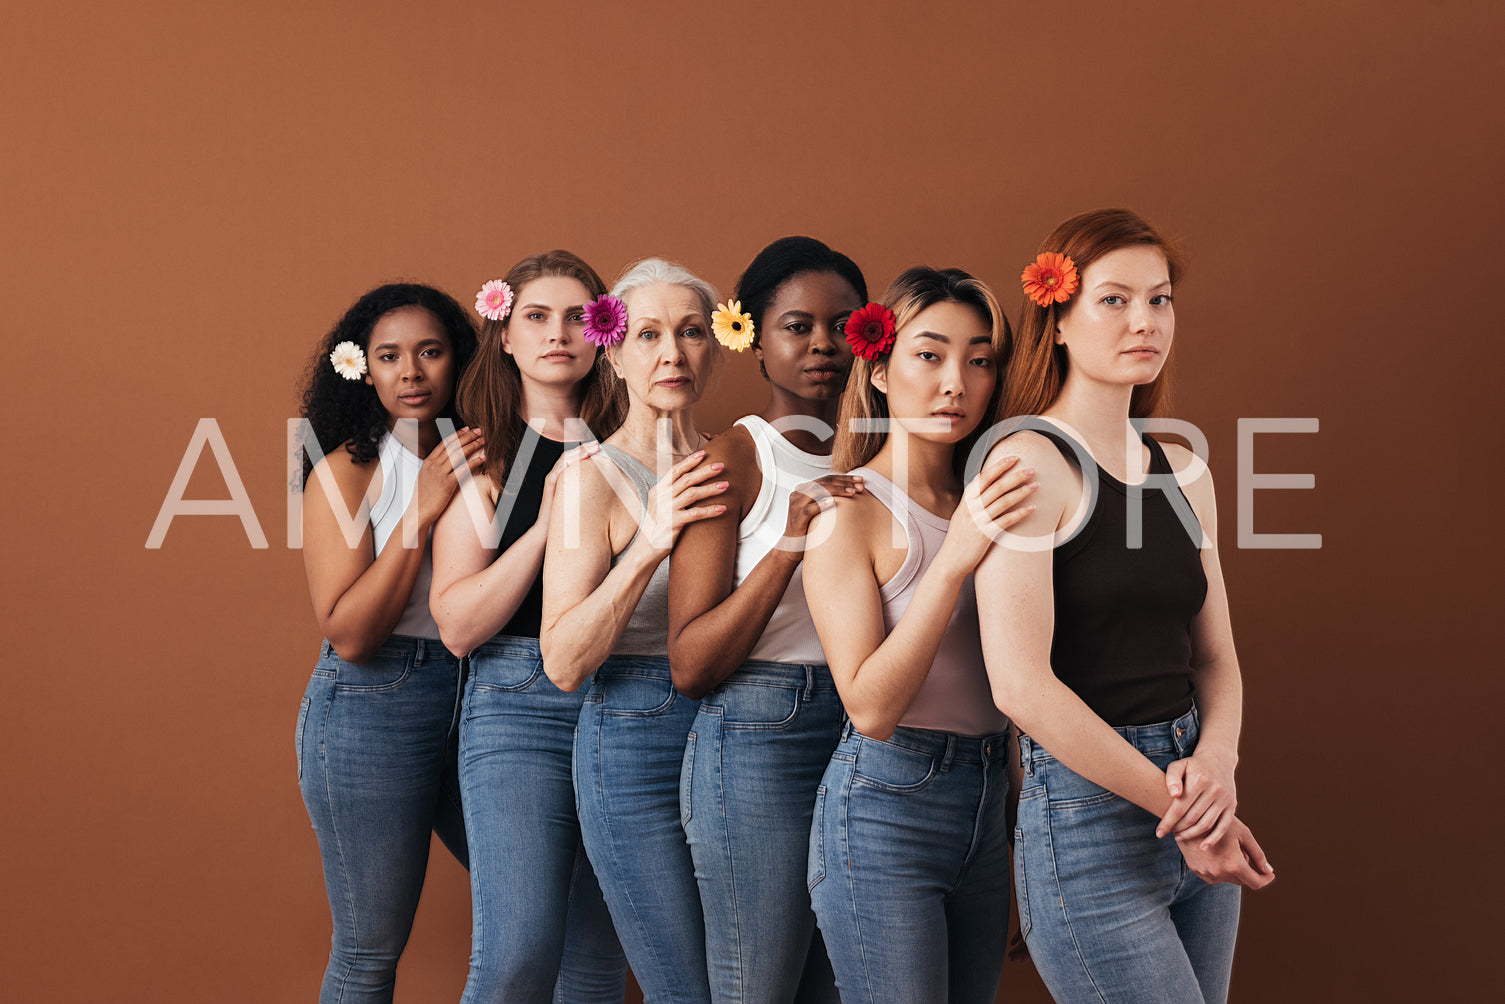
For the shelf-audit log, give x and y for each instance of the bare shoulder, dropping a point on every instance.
(734, 448)
(1033, 450)
(351, 477)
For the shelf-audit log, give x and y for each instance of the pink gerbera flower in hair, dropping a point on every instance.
(494, 300)
(605, 320)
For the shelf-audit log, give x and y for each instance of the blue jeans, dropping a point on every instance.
(1110, 913)
(377, 745)
(909, 866)
(534, 898)
(628, 752)
(752, 763)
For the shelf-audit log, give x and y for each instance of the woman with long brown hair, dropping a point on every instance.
(908, 859)
(1108, 642)
(537, 387)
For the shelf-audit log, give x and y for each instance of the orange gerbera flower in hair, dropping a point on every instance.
(1050, 278)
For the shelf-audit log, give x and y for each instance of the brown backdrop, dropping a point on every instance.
(193, 193)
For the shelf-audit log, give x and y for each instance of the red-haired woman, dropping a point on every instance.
(1108, 643)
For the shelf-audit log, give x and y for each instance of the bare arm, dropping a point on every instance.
(587, 601)
(878, 674)
(713, 627)
(475, 591)
(1203, 784)
(359, 596)
(1016, 636)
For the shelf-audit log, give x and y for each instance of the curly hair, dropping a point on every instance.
(348, 411)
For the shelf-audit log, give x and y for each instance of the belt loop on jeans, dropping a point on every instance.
(420, 652)
(809, 694)
(1026, 755)
(846, 728)
(950, 752)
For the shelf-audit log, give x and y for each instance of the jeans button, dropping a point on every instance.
(988, 749)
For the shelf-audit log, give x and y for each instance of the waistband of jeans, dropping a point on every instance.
(948, 747)
(1179, 735)
(508, 647)
(402, 646)
(755, 672)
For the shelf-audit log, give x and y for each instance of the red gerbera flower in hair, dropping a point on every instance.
(870, 331)
(1050, 278)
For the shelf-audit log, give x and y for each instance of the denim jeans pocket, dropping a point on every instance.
(1022, 847)
(757, 706)
(637, 696)
(298, 734)
(815, 867)
(505, 675)
(383, 672)
(888, 767)
(687, 781)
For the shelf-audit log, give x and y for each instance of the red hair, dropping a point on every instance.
(1037, 370)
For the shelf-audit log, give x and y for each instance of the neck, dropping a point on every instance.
(646, 433)
(921, 469)
(556, 405)
(783, 404)
(418, 438)
(1100, 415)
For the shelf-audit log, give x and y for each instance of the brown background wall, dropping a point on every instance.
(192, 193)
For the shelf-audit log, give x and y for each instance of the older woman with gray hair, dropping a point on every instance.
(605, 619)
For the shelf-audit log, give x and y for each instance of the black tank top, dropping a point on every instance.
(1124, 615)
(546, 453)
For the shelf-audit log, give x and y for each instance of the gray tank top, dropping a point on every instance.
(647, 632)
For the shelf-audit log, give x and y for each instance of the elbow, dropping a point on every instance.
(873, 725)
(1009, 698)
(353, 651)
(561, 670)
(459, 646)
(691, 677)
(690, 681)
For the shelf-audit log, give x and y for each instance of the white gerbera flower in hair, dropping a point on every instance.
(348, 360)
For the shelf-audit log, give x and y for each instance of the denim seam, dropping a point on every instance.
(846, 849)
(334, 828)
(726, 842)
(1076, 945)
(617, 869)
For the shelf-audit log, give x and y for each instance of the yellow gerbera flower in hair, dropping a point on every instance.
(733, 328)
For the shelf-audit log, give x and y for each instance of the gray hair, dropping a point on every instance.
(652, 271)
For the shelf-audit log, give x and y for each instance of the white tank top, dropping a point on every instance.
(955, 696)
(790, 634)
(399, 479)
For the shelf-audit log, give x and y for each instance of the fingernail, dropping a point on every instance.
(721, 508)
(718, 466)
(699, 453)
(722, 484)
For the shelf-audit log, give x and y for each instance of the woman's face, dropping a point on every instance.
(801, 343)
(940, 376)
(544, 331)
(667, 356)
(1119, 327)
(411, 363)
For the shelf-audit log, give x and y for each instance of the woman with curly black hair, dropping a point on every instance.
(376, 733)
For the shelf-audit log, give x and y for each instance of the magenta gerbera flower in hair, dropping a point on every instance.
(605, 320)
